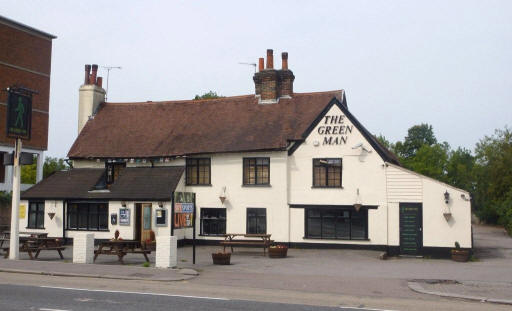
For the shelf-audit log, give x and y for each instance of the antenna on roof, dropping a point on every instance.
(249, 64)
(108, 73)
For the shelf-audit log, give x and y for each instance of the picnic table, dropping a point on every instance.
(120, 248)
(35, 244)
(232, 239)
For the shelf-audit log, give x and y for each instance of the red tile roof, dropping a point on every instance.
(174, 128)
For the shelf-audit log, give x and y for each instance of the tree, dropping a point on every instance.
(51, 165)
(460, 169)
(429, 160)
(417, 136)
(383, 141)
(208, 95)
(493, 195)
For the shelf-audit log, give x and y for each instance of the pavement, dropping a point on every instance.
(350, 272)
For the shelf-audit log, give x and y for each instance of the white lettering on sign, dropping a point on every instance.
(335, 130)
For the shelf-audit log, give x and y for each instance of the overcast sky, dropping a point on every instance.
(401, 63)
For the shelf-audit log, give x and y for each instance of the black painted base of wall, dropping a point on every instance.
(432, 252)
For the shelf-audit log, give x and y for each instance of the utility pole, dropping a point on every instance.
(108, 74)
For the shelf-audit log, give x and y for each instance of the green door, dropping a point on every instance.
(411, 229)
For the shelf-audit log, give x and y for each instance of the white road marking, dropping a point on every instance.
(366, 309)
(135, 293)
(46, 309)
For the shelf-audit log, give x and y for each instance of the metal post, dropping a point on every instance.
(194, 232)
(14, 247)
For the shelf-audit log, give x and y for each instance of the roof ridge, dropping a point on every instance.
(211, 100)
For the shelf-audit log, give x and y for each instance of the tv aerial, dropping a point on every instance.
(108, 74)
(249, 64)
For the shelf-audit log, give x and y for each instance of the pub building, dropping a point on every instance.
(298, 166)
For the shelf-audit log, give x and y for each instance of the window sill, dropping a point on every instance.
(200, 185)
(34, 228)
(213, 235)
(258, 185)
(334, 239)
(326, 187)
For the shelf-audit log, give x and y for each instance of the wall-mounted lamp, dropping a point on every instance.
(51, 215)
(358, 204)
(222, 196)
(463, 196)
(123, 204)
(446, 197)
(160, 204)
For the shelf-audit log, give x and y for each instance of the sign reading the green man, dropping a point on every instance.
(19, 115)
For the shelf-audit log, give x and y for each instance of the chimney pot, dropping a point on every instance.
(261, 64)
(284, 58)
(99, 81)
(270, 59)
(87, 73)
(92, 79)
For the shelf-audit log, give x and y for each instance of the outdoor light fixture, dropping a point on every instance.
(446, 197)
(357, 205)
(123, 204)
(222, 196)
(51, 215)
(161, 204)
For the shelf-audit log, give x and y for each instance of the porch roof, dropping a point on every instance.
(133, 183)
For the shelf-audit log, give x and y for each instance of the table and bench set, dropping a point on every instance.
(242, 239)
(34, 243)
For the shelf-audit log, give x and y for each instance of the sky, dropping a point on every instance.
(401, 63)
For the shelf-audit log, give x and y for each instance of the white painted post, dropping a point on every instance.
(39, 166)
(166, 251)
(14, 243)
(83, 248)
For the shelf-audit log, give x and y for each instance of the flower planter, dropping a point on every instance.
(221, 258)
(460, 255)
(277, 252)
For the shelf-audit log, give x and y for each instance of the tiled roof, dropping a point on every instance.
(174, 128)
(133, 183)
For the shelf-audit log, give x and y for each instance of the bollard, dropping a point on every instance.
(83, 248)
(166, 252)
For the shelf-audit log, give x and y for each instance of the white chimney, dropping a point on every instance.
(90, 97)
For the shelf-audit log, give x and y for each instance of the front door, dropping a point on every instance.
(145, 222)
(411, 229)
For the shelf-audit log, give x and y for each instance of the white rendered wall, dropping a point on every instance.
(366, 173)
(437, 231)
(51, 226)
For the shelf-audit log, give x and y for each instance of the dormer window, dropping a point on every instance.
(113, 169)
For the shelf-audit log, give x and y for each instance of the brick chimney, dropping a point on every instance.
(271, 84)
(91, 95)
(286, 78)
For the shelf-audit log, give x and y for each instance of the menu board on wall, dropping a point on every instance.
(184, 209)
(124, 216)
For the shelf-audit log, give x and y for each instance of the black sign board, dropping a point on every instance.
(25, 158)
(19, 115)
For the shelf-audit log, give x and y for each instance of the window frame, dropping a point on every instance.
(351, 211)
(256, 183)
(257, 218)
(197, 170)
(202, 217)
(112, 170)
(327, 173)
(87, 205)
(38, 214)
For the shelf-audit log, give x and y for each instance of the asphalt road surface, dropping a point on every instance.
(33, 298)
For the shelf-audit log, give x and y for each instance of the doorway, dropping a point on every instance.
(143, 224)
(411, 229)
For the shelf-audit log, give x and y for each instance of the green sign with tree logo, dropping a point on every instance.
(19, 115)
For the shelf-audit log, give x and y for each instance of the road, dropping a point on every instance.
(47, 298)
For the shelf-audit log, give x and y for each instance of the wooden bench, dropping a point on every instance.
(263, 241)
(120, 248)
(35, 245)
